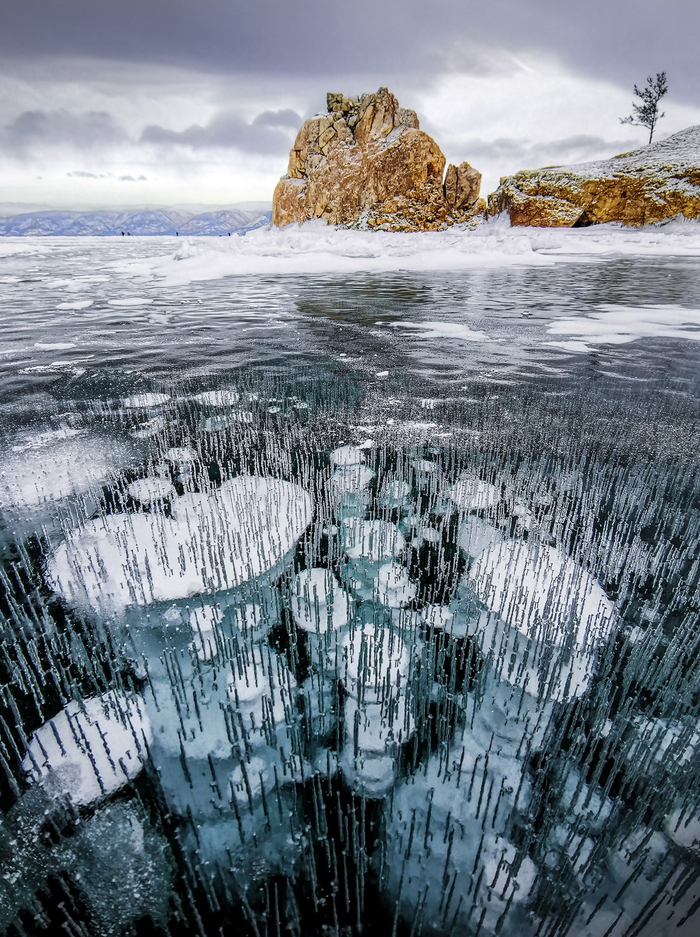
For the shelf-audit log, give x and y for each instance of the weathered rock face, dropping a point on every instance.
(651, 184)
(366, 163)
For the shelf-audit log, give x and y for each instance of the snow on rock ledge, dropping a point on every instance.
(212, 542)
(651, 184)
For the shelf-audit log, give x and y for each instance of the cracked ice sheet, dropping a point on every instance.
(618, 325)
(316, 247)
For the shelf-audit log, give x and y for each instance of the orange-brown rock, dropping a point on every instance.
(366, 163)
(462, 184)
(651, 184)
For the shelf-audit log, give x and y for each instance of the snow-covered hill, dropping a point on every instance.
(146, 222)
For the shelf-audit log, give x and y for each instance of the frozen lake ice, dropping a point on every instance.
(350, 584)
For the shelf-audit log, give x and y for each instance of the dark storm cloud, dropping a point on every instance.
(32, 130)
(622, 40)
(227, 130)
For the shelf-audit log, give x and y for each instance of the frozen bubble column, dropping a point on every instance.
(226, 741)
(321, 610)
(377, 717)
(456, 858)
(221, 703)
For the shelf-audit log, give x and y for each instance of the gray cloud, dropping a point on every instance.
(227, 130)
(38, 129)
(620, 41)
(141, 178)
(568, 150)
(284, 118)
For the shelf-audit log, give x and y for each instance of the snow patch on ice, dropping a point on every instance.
(454, 330)
(316, 247)
(77, 304)
(54, 346)
(618, 325)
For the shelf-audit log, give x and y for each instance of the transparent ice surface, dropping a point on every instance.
(319, 617)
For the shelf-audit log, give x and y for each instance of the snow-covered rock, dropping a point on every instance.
(650, 184)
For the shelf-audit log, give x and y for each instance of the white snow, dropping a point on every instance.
(212, 542)
(676, 152)
(618, 325)
(90, 749)
(453, 330)
(130, 301)
(54, 346)
(318, 248)
(76, 304)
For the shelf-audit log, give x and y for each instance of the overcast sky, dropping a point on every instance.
(161, 102)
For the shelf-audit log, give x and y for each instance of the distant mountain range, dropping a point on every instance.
(146, 222)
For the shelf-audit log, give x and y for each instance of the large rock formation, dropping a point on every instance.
(367, 164)
(650, 184)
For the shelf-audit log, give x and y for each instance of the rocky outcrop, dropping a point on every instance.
(366, 163)
(651, 184)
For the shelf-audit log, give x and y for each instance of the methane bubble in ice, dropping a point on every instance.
(348, 455)
(372, 540)
(145, 401)
(150, 490)
(536, 587)
(91, 748)
(218, 398)
(393, 585)
(56, 468)
(234, 534)
(318, 602)
(472, 494)
(181, 455)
